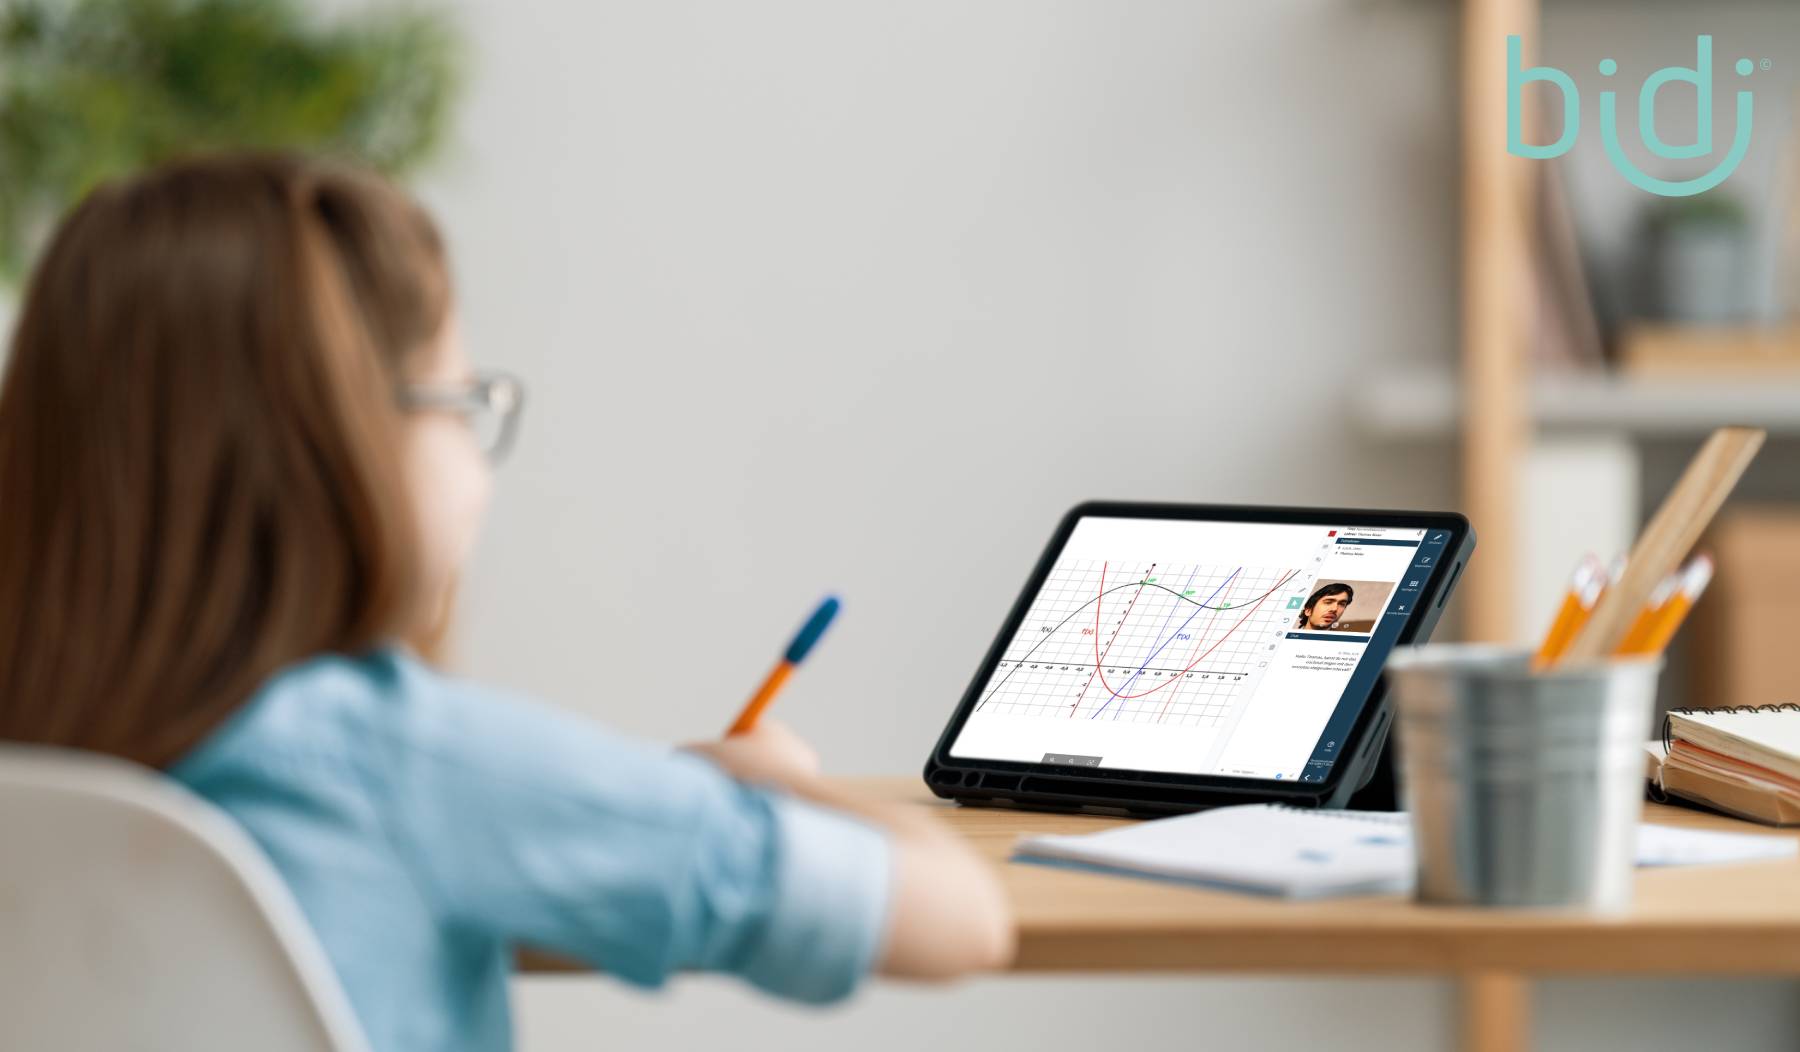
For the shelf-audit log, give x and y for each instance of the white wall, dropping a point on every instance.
(858, 296)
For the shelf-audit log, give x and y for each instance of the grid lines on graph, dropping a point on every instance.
(1142, 642)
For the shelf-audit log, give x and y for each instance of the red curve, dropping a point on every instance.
(1127, 697)
(1098, 656)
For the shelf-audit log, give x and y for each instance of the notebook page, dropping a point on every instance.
(1669, 846)
(1258, 847)
(1276, 850)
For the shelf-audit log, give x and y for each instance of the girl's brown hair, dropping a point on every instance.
(199, 446)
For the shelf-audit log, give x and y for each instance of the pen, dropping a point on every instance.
(1667, 620)
(1584, 590)
(796, 652)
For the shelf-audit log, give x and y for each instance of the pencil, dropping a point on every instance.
(1679, 521)
(1650, 615)
(1584, 590)
(796, 652)
(1662, 629)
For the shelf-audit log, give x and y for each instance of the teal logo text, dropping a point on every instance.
(1699, 75)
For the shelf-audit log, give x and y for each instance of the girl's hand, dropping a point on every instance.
(769, 753)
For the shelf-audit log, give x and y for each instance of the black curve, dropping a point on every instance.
(1128, 584)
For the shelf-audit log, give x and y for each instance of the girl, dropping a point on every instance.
(241, 460)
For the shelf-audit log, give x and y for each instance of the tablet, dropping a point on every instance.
(1170, 657)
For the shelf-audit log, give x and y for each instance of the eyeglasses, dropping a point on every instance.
(489, 402)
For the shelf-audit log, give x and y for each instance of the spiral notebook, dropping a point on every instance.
(1286, 852)
(1266, 849)
(1743, 761)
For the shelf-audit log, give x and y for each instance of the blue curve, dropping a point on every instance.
(1159, 632)
(1166, 642)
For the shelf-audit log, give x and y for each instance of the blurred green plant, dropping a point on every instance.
(94, 89)
(1717, 209)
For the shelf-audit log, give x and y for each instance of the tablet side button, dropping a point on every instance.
(1450, 583)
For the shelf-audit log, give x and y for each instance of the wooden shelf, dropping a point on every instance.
(1690, 351)
(1424, 404)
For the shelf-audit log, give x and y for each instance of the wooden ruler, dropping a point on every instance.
(1678, 523)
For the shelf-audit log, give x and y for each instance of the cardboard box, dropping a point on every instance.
(1746, 628)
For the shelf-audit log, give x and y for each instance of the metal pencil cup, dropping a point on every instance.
(1525, 789)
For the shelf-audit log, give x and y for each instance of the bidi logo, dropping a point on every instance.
(1700, 76)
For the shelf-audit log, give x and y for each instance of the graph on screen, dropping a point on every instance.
(1143, 642)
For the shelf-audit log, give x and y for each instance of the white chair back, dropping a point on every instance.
(134, 915)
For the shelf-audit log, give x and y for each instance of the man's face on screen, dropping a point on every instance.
(1327, 610)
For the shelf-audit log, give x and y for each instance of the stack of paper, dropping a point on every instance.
(1745, 763)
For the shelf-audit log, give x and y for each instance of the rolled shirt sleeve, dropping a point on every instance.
(532, 826)
(831, 889)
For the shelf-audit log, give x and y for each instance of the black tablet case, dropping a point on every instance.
(1365, 780)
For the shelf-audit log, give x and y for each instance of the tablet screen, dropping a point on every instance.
(1234, 649)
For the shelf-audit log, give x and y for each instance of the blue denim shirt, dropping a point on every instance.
(428, 825)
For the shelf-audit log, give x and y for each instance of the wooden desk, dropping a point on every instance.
(1738, 919)
(1728, 920)
(1725, 920)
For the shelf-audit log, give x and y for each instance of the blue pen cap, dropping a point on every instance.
(814, 628)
